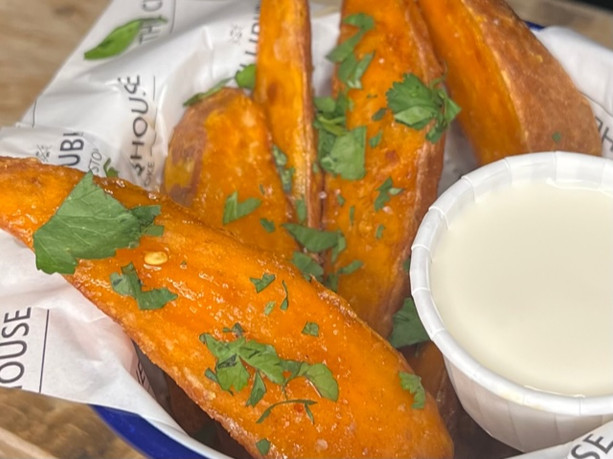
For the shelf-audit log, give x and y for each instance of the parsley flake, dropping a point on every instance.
(233, 209)
(245, 77)
(347, 155)
(312, 239)
(379, 231)
(386, 190)
(90, 224)
(263, 282)
(268, 225)
(263, 446)
(285, 303)
(412, 384)
(286, 173)
(307, 266)
(120, 38)
(407, 327)
(416, 105)
(128, 284)
(310, 328)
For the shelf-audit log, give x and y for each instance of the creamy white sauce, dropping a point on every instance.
(523, 280)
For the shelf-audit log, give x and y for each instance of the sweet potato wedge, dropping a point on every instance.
(515, 96)
(283, 88)
(380, 238)
(212, 275)
(222, 146)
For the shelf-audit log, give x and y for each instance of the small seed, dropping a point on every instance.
(156, 258)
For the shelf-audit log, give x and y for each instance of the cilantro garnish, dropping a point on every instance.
(245, 77)
(379, 231)
(263, 446)
(285, 303)
(406, 265)
(233, 209)
(386, 190)
(310, 328)
(351, 69)
(340, 199)
(332, 278)
(230, 371)
(269, 307)
(364, 23)
(305, 403)
(120, 38)
(109, 170)
(347, 155)
(127, 283)
(307, 266)
(301, 210)
(556, 136)
(263, 282)
(312, 239)
(416, 105)
(374, 141)
(268, 225)
(286, 173)
(379, 114)
(407, 327)
(203, 95)
(90, 224)
(412, 383)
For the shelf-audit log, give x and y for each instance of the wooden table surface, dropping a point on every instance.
(36, 36)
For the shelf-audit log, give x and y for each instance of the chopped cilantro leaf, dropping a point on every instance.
(263, 282)
(416, 105)
(406, 265)
(269, 307)
(257, 390)
(351, 69)
(301, 210)
(89, 224)
(263, 446)
(268, 410)
(286, 173)
(268, 225)
(127, 283)
(340, 199)
(203, 95)
(412, 383)
(233, 209)
(285, 303)
(386, 190)
(407, 327)
(109, 170)
(245, 78)
(347, 155)
(312, 239)
(556, 136)
(307, 266)
(379, 114)
(310, 328)
(374, 141)
(379, 231)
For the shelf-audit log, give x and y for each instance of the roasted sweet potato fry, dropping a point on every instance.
(220, 147)
(379, 213)
(515, 96)
(283, 87)
(216, 280)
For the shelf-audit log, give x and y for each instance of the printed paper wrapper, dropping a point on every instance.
(123, 110)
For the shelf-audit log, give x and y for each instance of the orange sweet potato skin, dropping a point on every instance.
(210, 272)
(222, 145)
(401, 45)
(283, 88)
(515, 96)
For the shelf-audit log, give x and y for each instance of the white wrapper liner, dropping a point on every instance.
(122, 110)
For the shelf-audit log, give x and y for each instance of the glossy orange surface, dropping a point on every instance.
(515, 96)
(210, 272)
(401, 46)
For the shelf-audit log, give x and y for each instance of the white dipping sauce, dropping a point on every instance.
(523, 280)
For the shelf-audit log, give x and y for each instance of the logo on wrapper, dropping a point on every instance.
(22, 352)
